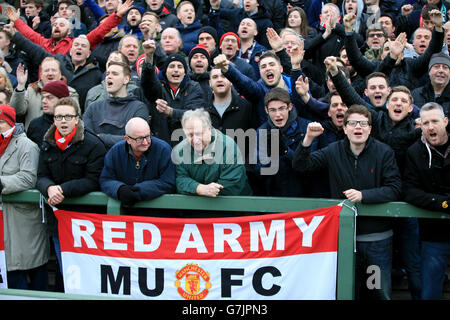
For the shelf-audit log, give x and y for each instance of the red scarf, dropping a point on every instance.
(63, 142)
(5, 141)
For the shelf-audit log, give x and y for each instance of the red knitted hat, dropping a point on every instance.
(8, 114)
(230, 34)
(57, 88)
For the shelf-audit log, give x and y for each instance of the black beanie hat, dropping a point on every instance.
(175, 57)
(200, 49)
(211, 31)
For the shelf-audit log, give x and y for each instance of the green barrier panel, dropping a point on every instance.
(346, 259)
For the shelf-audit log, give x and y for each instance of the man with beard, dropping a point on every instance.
(107, 118)
(331, 117)
(357, 81)
(375, 38)
(60, 42)
(81, 72)
(427, 185)
(134, 18)
(395, 126)
(65, 11)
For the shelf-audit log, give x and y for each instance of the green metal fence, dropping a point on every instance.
(346, 259)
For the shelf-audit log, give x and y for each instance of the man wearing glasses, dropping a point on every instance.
(139, 167)
(361, 169)
(375, 38)
(70, 163)
(276, 151)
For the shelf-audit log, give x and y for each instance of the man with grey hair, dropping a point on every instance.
(208, 163)
(129, 46)
(171, 41)
(437, 89)
(427, 185)
(139, 167)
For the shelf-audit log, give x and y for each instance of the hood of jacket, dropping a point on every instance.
(19, 129)
(120, 101)
(193, 26)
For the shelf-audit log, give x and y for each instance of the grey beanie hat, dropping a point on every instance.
(439, 58)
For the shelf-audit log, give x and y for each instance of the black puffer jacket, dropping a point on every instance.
(76, 169)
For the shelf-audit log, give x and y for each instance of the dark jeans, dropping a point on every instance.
(406, 232)
(373, 270)
(435, 259)
(38, 279)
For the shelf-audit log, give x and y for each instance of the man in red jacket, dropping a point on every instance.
(60, 42)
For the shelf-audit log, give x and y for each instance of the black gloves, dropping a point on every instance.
(129, 195)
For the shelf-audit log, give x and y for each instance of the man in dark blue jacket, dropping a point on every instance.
(139, 167)
(277, 140)
(361, 169)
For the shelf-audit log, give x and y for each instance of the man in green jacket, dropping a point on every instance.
(208, 163)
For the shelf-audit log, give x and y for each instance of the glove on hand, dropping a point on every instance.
(129, 195)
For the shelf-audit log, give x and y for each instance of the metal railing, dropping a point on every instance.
(260, 205)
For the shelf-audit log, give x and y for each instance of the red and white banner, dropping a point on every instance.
(3, 280)
(276, 256)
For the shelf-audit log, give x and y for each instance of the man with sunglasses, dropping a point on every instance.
(361, 169)
(139, 167)
(375, 38)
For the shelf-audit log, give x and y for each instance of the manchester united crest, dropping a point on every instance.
(195, 278)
